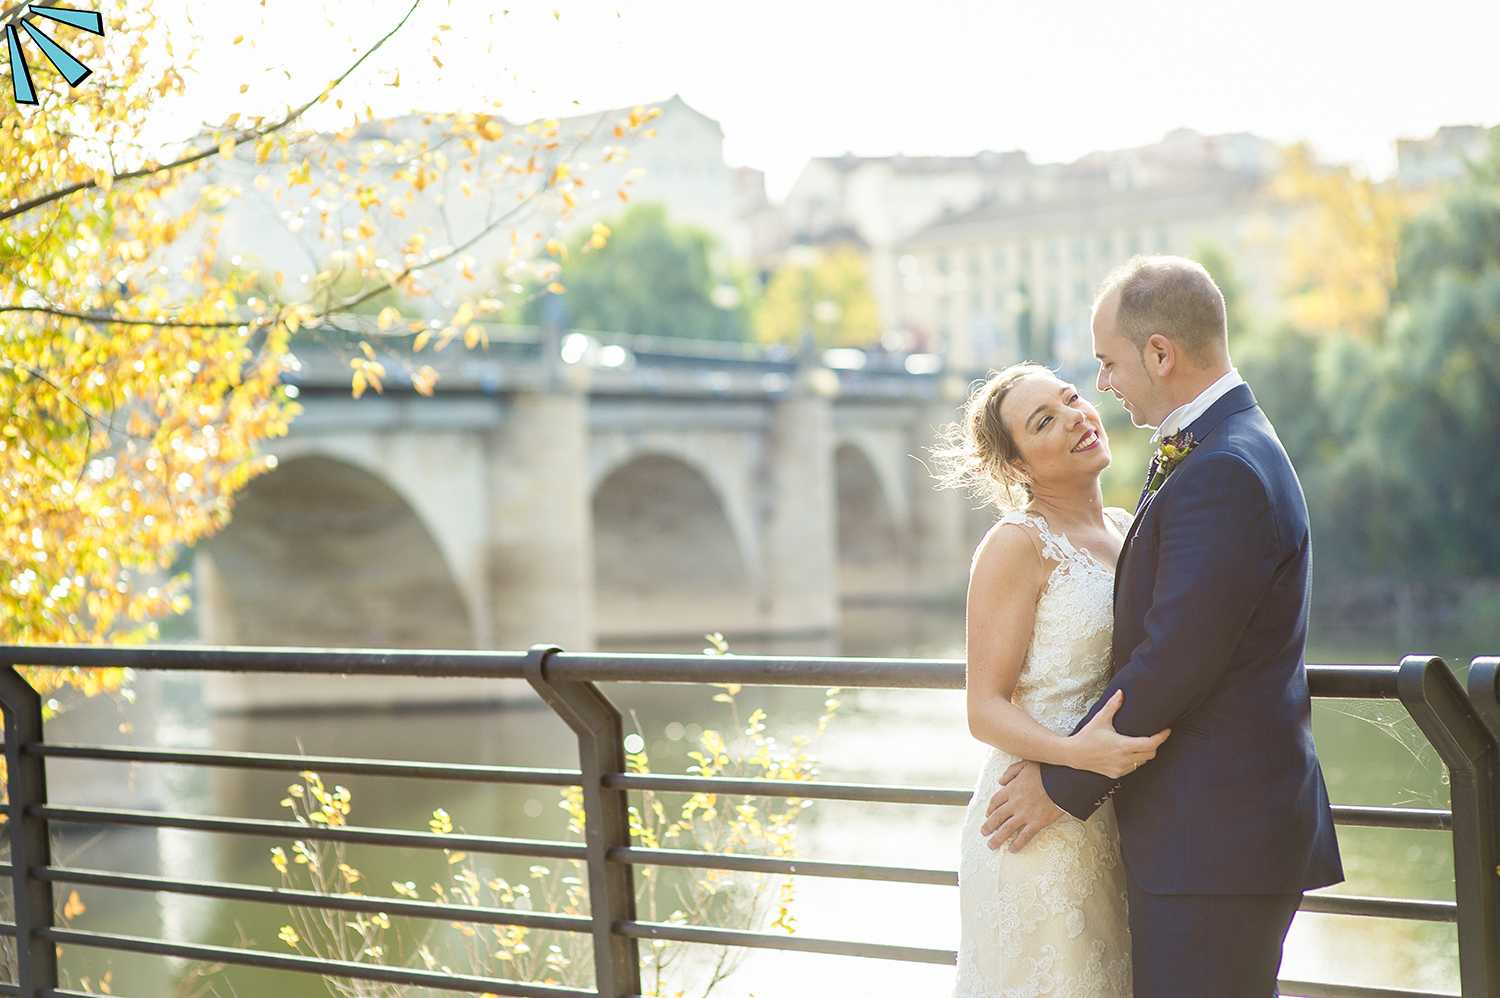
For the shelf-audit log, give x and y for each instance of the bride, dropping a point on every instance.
(1050, 919)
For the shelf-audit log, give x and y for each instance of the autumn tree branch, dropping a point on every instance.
(125, 320)
(246, 135)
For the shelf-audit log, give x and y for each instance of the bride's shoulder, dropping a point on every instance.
(1011, 547)
(1121, 517)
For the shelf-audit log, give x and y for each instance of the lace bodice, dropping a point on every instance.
(1067, 662)
(1051, 919)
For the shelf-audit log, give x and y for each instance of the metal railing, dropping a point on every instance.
(1463, 727)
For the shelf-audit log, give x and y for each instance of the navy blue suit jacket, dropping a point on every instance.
(1211, 599)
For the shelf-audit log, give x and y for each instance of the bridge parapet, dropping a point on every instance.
(528, 359)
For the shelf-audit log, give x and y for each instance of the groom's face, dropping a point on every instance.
(1122, 370)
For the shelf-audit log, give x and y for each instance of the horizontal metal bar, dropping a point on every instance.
(1353, 904)
(804, 789)
(1336, 681)
(292, 830)
(312, 661)
(765, 940)
(759, 670)
(1353, 682)
(311, 899)
(321, 764)
(309, 965)
(1421, 818)
(7, 928)
(698, 860)
(1315, 989)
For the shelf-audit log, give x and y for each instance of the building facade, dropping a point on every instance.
(992, 258)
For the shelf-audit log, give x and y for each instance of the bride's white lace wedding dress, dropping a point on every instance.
(1050, 920)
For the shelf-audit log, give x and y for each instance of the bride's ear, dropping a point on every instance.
(1016, 468)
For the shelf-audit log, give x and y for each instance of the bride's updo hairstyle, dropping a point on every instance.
(977, 452)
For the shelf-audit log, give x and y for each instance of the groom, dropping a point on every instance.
(1229, 824)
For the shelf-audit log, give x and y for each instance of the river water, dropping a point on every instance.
(1372, 754)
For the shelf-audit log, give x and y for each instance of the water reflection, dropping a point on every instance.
(1372, 754)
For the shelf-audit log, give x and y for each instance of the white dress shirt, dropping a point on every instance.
(1184, 415)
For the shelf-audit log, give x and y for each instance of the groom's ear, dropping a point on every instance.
(1160, 355)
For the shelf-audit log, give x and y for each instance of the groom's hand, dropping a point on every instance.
(1020, 808)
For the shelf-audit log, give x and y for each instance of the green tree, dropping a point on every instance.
(830, 290)
(1392, 424)
(1429, 412)
(651, 278)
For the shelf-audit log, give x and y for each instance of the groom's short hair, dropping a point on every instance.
(1170, 295)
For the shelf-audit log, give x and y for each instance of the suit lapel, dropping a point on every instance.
(1237, 399)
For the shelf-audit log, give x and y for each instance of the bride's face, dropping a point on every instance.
(1057, 431)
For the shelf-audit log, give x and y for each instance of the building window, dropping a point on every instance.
(1025, 256)
(942, 263)
(1052, 253)
(974, 263)
(1081, 293)
(997, 259)
(1133, 243)
(1080, 251)
(1162, 243)
(1106, 248)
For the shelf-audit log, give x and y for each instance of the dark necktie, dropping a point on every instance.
(1150, 476)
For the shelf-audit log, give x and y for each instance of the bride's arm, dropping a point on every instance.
(1008, 578)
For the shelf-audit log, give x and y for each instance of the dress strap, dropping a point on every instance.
(1056, 547)
(1122, 517)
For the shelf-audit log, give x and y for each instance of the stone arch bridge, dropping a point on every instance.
(645, 491)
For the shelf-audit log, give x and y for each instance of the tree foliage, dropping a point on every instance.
(830, 295)
(1341, 254)
(140, 369)
(1392, 424)
(652, 278)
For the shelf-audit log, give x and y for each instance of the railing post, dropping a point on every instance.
(26, 786)
(600, 731)
(1484, 694)
(1469, 749)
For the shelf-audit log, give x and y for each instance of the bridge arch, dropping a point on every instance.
(872, 534)
(667, 558)
(323, 552)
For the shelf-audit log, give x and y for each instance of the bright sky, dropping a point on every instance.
(791, 79)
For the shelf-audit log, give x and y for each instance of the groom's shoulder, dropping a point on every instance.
(1250, 434)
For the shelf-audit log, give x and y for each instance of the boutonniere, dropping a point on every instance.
(1168, 456)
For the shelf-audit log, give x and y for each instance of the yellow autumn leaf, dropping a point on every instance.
(387, 318)
(424, 379)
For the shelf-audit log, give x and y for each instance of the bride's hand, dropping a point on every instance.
(1099, 748)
